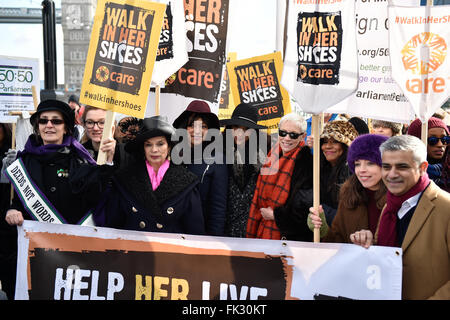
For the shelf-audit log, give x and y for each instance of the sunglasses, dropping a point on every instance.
(434, 140)
(292, 135)
(53, 121)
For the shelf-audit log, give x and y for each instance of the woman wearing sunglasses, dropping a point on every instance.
(437, 141)
(60, 171)
(55, 179)
(278, 209)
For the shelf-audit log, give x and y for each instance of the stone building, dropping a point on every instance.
(77, 19)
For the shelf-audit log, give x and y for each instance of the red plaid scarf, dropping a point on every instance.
(272, 190)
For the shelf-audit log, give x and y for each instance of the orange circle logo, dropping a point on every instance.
(424, 53)
(302, 71)
(102, 74)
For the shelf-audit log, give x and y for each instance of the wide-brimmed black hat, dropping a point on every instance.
(55, 105)
(197, 107)
(151, 127)
(243, 115)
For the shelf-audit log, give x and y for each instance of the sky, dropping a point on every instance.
(251, 32)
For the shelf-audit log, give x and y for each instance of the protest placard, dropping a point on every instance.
(378, 96)
(171, 54)
(121, 55)
(18, 75)
(206, 23)
(418, 39)
(256, 81)
(226, 101)
(68, 262)
(320, 66)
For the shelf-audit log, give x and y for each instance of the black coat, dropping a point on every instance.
(131, 203)
(213, 188)
(291, 218)
(72, 194)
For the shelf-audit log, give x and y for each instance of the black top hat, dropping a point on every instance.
(243, 115)
(151, 127)
(55, 105)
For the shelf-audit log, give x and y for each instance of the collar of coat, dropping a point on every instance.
(135, 180)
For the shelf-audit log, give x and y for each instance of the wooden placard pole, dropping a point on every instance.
(157, 99)
(107, 133)
(315, 121)
(424, 134)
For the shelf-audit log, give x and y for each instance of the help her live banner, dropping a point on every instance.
(122, 52)
(69, 262)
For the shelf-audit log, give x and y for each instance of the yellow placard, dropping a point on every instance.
(257, 81)
(121, 55)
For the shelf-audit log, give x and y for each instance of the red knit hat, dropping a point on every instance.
(415, 128)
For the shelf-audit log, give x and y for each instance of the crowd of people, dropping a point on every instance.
(231, 178)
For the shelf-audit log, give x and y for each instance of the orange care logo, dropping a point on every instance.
(424, 53)
(102, 74)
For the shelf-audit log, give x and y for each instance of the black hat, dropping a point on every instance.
(197, 107)
(360, 125)
(74, 98)
(151, 127)
(55, 105)
(243, 115)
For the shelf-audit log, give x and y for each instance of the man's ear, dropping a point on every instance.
(423, 167)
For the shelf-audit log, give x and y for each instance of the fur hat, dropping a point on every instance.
(394, 126)
(365, 147)
(340, 130)
(415, 128)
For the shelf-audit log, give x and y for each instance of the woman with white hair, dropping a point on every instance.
(278, 210)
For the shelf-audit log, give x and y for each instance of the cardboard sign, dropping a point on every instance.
(17, 76)
(206, 23)
(121, 55)
(256, 81)
(320, 63)
(68, 262)
(419, 39)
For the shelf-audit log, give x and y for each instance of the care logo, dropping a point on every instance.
(102, 74)
(424, 53)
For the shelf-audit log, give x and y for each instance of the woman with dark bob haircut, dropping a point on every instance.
(152, 194)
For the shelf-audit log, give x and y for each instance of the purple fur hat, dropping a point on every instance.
(365, 147)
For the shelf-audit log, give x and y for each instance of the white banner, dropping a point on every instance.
(172, 52)
(419, 38)
(68, 262)
(17, 76)
(377, 96)
(320, 66)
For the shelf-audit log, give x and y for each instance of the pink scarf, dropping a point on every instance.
(156, 177)
(387, 230)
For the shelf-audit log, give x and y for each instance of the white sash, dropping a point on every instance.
(34, 201)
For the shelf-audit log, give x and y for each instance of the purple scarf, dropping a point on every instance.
(387, 230)
(33, 147)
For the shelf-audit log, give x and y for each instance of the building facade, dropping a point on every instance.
(77, 19)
